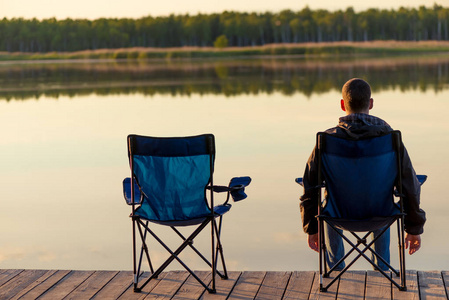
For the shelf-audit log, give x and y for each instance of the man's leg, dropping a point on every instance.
(334, 247)
(382, 247)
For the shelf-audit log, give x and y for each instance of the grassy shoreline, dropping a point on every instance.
(300, 49)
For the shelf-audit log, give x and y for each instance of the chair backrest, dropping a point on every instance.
(360, 175)
(172, 174)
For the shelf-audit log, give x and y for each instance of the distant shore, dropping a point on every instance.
(327, 49)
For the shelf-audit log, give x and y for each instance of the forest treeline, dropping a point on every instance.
(234, 28)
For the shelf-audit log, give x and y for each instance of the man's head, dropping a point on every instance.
(356, 96)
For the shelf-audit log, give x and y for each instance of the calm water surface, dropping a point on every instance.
(64, 155)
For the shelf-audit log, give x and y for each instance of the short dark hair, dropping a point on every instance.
(356, 94)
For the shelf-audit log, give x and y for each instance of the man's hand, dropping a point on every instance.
(413, 242)
(312, 239)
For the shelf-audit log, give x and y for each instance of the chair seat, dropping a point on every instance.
(219, 210)
(364, 225)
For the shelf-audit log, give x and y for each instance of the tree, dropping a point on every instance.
(221, 42)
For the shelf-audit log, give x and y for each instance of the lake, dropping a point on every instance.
(64, 153)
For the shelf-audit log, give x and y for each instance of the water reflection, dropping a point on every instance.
(288, 76)
(63, 161)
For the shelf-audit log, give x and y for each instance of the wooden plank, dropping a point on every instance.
(20, 282)
(223, 287)
(7, 275)
(331, 293)
(35, 283)
(169, 285)
(129, 294)
(247, 285)
(299, 286)
(192, 289)
(44, 285)
(431, 285)
(352, 285)
(66, 285)
(273, 286)
(377, 286)
(91, 285)
(116, 287)
(412, 292)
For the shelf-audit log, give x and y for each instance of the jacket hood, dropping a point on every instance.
(359, 127)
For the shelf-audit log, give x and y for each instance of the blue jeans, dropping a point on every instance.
(335, 249)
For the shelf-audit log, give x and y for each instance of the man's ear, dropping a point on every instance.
(371, 103)
(342, 104)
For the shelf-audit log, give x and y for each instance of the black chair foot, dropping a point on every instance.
(212, 291)
(323, 289)
(137, 290)
(403, 288)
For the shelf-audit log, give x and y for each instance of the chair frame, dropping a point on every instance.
(361, 240)
(141, 226)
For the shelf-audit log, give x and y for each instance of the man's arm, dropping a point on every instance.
(415, 217)
(309, 200)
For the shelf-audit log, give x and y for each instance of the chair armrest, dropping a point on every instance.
(219, 188)
(127, 192)
(238, 184)
(421, 179)
(236, 188)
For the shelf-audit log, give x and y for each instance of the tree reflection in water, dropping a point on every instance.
(31, 80)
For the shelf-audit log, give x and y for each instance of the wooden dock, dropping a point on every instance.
(60, 284)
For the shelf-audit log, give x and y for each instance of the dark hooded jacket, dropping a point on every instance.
(363, 126)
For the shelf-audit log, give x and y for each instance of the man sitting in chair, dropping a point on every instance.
(357, 123)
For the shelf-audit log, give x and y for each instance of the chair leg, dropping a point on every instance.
(362, 241)
(144, 249)
(401, 240)
(174, 254)
(321, 248)
(223, 276)
(135, 276)
(214, 263)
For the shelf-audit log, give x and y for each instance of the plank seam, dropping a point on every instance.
(365, 283)
(177, 290)
(286, 286)
(311, 286)
(13, 277)
(261, 284)
(338, 288)
(418, 285)
(235, 283)
(444, 285)
(54, 272)
(49, 286)
(79, 285)
(93, 296)
(391, 283)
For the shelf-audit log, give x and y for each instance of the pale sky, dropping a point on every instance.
(93, 9)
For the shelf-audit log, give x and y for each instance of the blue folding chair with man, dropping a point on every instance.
(172, 185)
(369, 183)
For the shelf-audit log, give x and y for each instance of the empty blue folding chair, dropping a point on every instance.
(361, 178)
(169, 183)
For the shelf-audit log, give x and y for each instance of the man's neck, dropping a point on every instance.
(357, 112)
